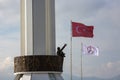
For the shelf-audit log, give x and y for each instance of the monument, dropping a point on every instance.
(39, 59)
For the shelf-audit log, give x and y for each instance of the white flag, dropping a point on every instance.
(90, 50)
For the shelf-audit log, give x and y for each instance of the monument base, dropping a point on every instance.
(38, 67)
(38, 63)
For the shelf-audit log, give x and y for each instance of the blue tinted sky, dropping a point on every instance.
(103, 14)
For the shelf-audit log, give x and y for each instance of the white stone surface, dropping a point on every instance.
(38, 27)
(26, 77)
(41, 77)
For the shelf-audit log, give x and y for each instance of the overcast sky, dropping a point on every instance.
(104, 15)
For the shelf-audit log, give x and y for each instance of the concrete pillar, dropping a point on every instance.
(38, 34)
(38, 27)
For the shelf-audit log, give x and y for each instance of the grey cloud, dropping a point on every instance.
(9, 13)
(81, 8)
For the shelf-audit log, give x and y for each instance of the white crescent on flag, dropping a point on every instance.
(77, 30)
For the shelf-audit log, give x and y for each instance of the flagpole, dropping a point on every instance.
(71, 53)
(86, 31)
(81, 62)
(71, 60)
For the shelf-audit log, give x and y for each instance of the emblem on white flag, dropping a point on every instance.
(90, 50)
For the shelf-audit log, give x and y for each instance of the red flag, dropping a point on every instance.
(81, 30)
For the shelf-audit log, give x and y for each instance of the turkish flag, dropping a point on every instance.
(81, 30)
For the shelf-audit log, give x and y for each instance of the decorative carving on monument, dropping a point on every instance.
(34, 63)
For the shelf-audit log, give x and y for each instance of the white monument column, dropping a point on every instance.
(38, 36)
(38, 27)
